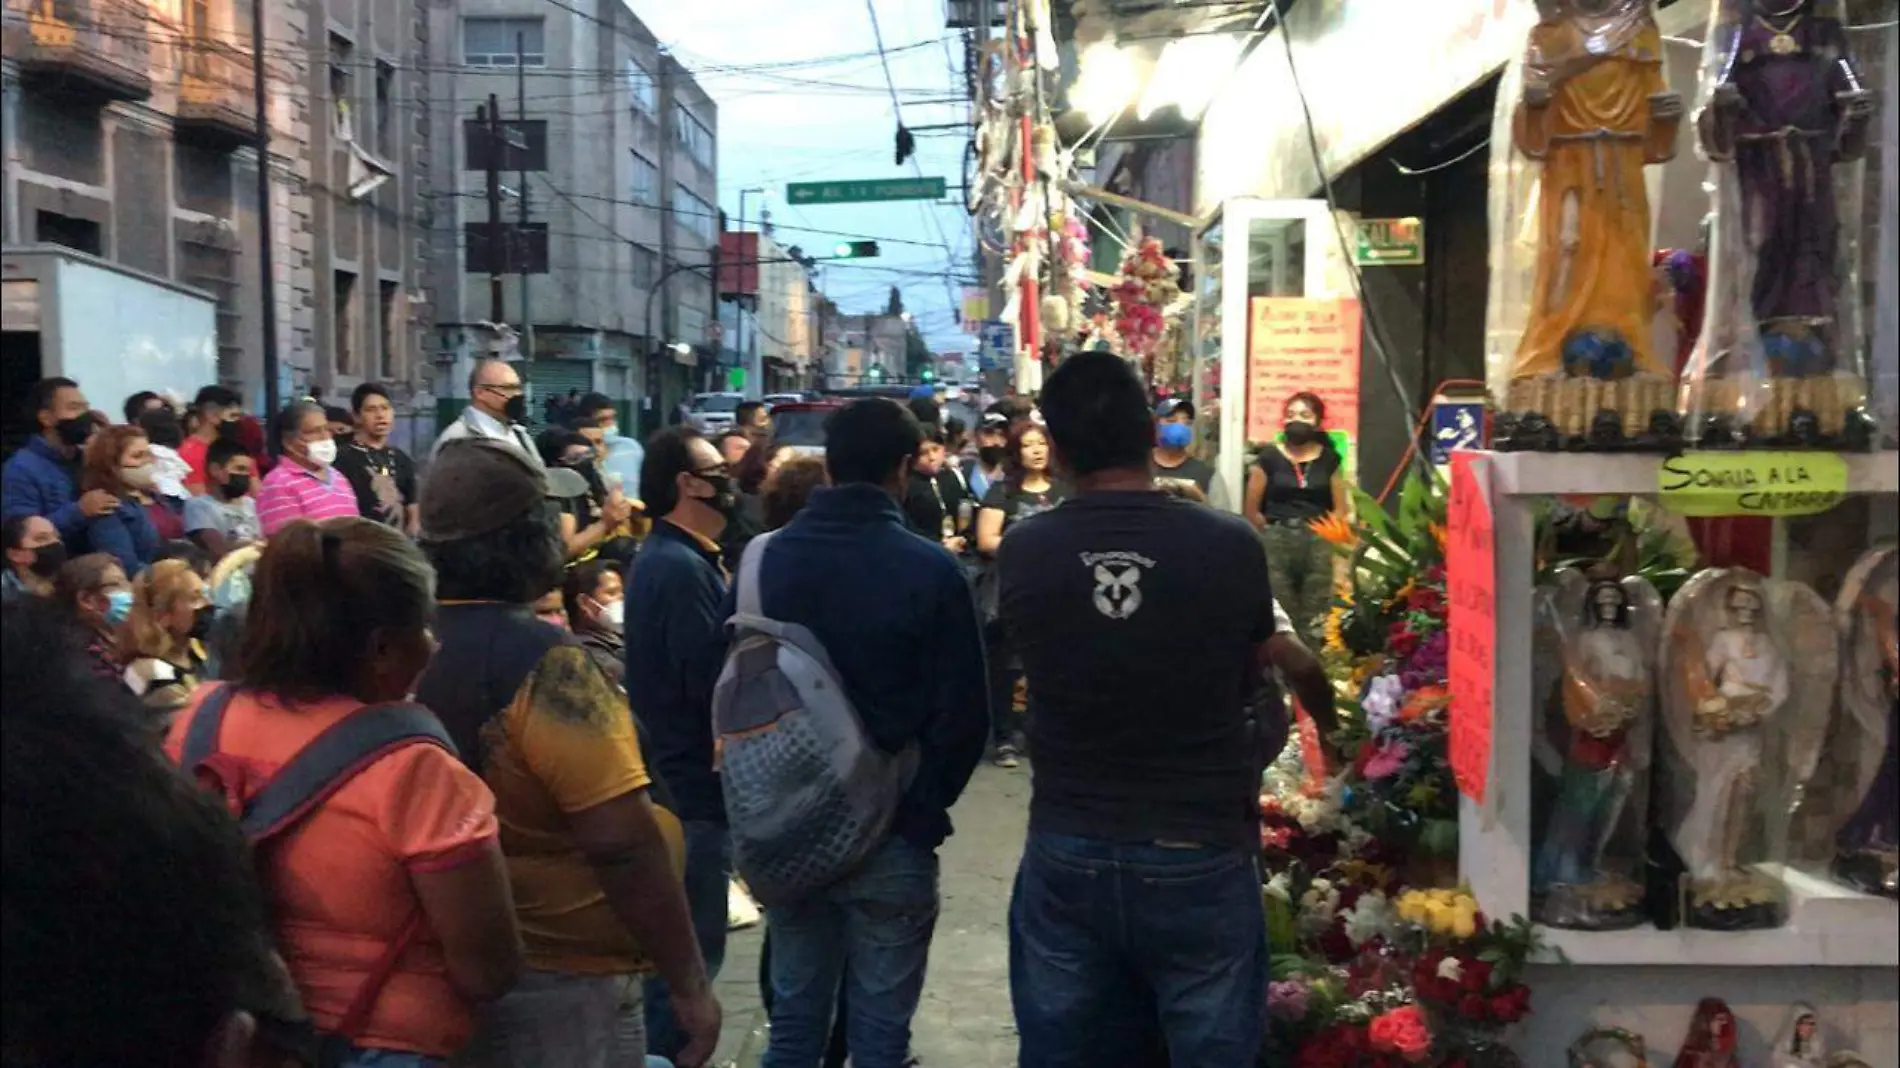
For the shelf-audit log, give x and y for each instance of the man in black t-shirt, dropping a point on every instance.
(383, 476)
(1143, 624)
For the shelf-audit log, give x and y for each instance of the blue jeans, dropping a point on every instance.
(1110, 942)
(872, 933)
(708, 873)
(389, 1058)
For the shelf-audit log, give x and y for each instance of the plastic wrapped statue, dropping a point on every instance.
(1784, 110)
(1585, 874)
(1867, 853)
(1800, 1044)
(1711, 1039)
(1609, 1047)
(1594, 110)
(1746, 668)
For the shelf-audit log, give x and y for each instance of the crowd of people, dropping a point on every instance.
(444, 733)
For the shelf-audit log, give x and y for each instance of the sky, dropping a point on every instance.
(807, 120)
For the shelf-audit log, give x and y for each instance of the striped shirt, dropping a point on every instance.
(290, 493)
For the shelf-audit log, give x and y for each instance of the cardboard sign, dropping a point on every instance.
(1295, 345)
(1705, 484)
(1471, 587)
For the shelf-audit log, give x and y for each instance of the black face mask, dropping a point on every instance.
(1301, 433)
(992, 455)
(201, 623)
(228, 431)
(48, 559)
(236, 486)
(76, 431)
(725, 498)
(516, 409)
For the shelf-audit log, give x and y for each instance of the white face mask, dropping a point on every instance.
(144, 476)
(611, 430)
(322, 453)
(614, 612)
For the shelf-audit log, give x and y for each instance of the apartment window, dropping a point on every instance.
(198, 20)
(343, 329)
(491, 42)
(643, 92)
(697, 216)
(646, 181)
(390, 307)
(692, 136)
(385, 110)
(524, 144)
(518, 249)
(68, 231)
(342, 85)
(646, 268)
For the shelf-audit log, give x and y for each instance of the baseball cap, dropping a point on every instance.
(1173, 405)
(995, 421)
(476, 486)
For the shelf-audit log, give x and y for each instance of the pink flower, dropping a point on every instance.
(1387, 759)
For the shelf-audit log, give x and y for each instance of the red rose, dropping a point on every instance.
(1403, 1032)
(1473, 1008)
(1425, 599)
(1401, 642)
(1511, 1005)
(1476, 974)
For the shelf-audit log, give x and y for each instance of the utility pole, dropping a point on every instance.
(520, 144)
(266, 229)
(490, 118)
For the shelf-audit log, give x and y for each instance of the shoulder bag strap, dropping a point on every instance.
(201, 738)
(749, 597)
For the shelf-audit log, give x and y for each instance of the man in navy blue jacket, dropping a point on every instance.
(895, 615)
(676, 644)
(39, 479)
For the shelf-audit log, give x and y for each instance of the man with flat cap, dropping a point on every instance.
(593, 848)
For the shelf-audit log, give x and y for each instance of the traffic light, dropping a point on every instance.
(855, 250)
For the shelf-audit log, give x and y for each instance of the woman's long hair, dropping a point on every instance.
(1013, 462)
(155, 593)
(99, 468)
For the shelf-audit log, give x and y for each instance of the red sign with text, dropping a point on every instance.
(1471, 586)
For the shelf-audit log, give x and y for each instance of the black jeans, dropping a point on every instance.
(1006, 726)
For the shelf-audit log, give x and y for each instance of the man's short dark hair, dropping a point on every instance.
(868, 439)
(161, 426)
(132, 917)
(926, 410)
(135, 404)
(1097, 413)
(743, 415)
(591, 404)
(217, 397)
(366, 391)
(40, 397)
(669, 454)
(222, 451)
(13, 530)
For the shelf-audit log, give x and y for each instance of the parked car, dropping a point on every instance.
(711, 413)
(773, 400)
(801, 425)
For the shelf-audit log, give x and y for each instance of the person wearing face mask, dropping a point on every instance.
(594, 597)
(594, 514)
(497, 408)
(34, 556)
(1174, 433)
(118, 461)
(1291, 484)
(225, 516)
(304, 484)
(161, 640)
(42, 477)
(988, 458)
(676, 642)
(96, 597)
(217, 411)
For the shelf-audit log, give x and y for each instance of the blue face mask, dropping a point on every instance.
(1176, 435)
(118, 606)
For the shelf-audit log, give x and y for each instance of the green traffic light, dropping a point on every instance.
(855, 250)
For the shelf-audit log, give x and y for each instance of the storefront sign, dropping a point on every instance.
(1388, 243)
(1752, 483)
(1471, 587)
(1299, 344)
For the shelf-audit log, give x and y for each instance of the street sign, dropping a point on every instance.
(1456, 425)
(1389, 243)
(998, 345)
(863, 190)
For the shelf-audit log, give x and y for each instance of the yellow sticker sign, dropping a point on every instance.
(1752, 483)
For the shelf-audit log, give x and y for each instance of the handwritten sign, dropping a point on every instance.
(1295, 345)
(1752, 483)
(1471, 587)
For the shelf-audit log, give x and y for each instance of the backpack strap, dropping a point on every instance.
(201, 738)
(748, 581)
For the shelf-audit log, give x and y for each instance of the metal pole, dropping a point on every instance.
(266, 267)
(521, 232)
(490, 118)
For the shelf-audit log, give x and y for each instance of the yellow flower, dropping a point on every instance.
(1439, 917)
(1464, 923)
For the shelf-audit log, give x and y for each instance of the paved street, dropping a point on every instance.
(964, 1021)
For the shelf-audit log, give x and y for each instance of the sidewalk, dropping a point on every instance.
(964, 1020)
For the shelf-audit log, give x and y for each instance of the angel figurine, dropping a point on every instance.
(1800, 1044)
(1867, 849)
(1609, 1047)
(1585, 867)
(1711, 1041)
(1746, 667)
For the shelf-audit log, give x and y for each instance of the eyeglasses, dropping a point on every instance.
(716, 471)
(505, 390)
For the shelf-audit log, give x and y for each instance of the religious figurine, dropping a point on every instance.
(1746, 667)
(1785, 108)
(1847, 1058)
(1711, 1040)
(1595, 110)
(1585, 872)
(1800, 1045)
(1867, 849)
(1609, 1047)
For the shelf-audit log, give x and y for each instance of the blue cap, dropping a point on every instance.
(922, 391)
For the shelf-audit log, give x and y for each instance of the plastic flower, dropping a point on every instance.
(1318, 906)
(1402, 1031)
(1334, 529)
(1370, 917)
(1287, 1001)
(1388, 758)
(1281, 886)
(1381, 702)
(1450, 970)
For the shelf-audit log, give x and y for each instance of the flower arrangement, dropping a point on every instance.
(1149, 286)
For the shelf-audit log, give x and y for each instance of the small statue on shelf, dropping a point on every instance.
(1847, 1058)
(1785, 110)
(1585, 874)
(1800, 1044)
(1609, 1047)
(1747, 666)
(1595, 110)
(1711, 1041)
(1867, 853)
